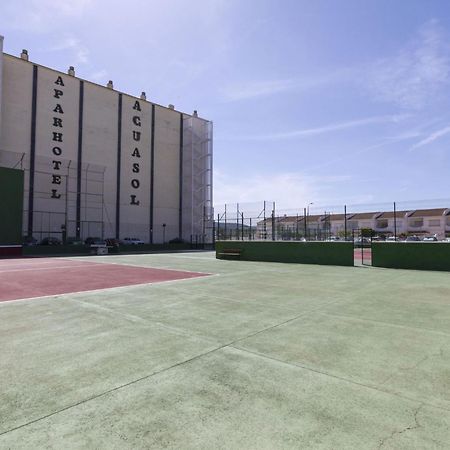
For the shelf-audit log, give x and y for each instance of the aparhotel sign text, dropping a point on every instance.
(57, 138)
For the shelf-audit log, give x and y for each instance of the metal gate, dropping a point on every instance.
(362, 247)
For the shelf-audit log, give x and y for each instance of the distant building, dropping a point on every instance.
(421, 222)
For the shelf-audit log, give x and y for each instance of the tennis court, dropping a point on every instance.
(32, 278)
(254, 355)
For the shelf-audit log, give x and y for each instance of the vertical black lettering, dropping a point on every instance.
(57, 122)
(133, 200)
(56, 179)
(57, 136)
(58, 109)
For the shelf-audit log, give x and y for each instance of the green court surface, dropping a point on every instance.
(256, 356)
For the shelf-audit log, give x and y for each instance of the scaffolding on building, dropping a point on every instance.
(198, 213)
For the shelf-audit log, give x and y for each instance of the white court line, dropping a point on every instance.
(147, 267)
(99, 264)
(41, 268)
(118, 288)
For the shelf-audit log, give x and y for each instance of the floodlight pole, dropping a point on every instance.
(345, 222)
(218, 227)
(225, 213)
(237, 221)
(395, 221)
(305, 225)
(264, 221)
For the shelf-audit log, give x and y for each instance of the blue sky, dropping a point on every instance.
(329, 102)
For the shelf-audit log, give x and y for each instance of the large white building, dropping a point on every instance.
(99, 162)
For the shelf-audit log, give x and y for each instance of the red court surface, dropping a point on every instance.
(363, 256)
(29, 278)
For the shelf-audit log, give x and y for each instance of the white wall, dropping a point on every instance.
(135, 168)
(100, 131)
(53, 180)
(56, 112)
(166, 182)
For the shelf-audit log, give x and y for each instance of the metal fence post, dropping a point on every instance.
(345, 222)
(395, 222)
(273, 225)
(305, 225)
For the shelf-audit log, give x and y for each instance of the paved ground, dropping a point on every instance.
(259, 355)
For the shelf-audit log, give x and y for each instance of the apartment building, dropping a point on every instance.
(420, 222)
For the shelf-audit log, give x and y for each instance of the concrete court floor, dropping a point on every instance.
(260, 355)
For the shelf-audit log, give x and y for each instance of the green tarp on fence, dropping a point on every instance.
(412, 255)
(326, 253)
(11, 206)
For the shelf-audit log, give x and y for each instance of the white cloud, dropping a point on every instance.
(289, 190)
(416, 74)
(72, 44)
(254, 89)
(432, 137)
(305, 132)
(39, 15)
(260, 88)
(98, 76)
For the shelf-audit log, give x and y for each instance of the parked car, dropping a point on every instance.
(362, 242)
(112, 242)
(51, 241)
(413, 239)
(28, 241)
(131, 241)
(176, 241)
(430, 239)
(391, 239)
(95, 242)
(447, 239)
(74, 241)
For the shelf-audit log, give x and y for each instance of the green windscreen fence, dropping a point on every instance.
(326, 253)
(11, 206)
(412, 255)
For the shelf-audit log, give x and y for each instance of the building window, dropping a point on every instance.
(382, 223)
(416, 223)
(434, 223)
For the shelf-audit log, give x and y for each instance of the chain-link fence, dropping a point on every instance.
(422, 219)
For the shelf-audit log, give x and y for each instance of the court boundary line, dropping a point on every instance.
(2, 302)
